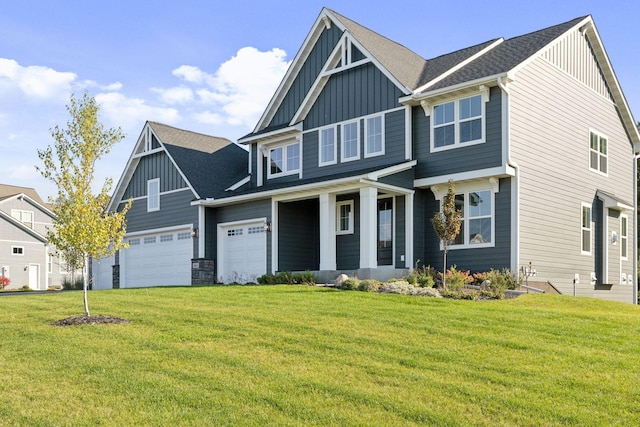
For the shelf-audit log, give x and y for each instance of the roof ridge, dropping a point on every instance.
(188, 131)
(580, 18)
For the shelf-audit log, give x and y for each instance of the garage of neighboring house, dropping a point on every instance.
(157, 259)
(242, 251)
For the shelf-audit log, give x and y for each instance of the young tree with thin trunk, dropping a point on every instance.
(446, 224)
(82, 227)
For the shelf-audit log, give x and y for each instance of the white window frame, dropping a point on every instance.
(333, 151)
(457, 121)
(343, 156)
(598, 153)
(285, 163)
(624, 237)
(50, 263)
(466, 218)
(584, 206)
(19, 215)
(153, 200)
(368, 153)
(339, 206)
(21, 248)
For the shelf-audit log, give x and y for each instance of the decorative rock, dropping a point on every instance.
(341, 278)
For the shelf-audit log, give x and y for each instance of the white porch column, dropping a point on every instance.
(327, 231)
(368, 227)
(408, 207)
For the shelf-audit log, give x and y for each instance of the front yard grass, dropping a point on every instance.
(299, 355)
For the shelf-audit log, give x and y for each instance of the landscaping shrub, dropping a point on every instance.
(350, 284)
(369, 285)
(403, 287)
(288, 278)
(456, 279)
(69, 284)
(4, 281)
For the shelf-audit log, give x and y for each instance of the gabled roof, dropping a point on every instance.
(23, 227)
(7, 191)
(208, 164)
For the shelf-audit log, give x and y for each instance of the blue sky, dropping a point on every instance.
(212, 66)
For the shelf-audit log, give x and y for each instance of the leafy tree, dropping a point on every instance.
(82, 226)
(446, 224)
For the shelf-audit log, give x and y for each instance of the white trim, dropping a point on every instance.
(328, 219)
(13, 247)
(408, 213)
(159, 230)
(274, 237)
(163, 193)
(23, 196)
(600, 137)
(150, 207)
(457, 121)
(368, 227)
(408, 132)
(148, 153)
(239, 184)
(201, 231)
(343, 158)
(376, 175)
(582, 229)
(497, 172)
(334, 131)
(285, 148)
(382, 117)
(625, 238)
(338, 223)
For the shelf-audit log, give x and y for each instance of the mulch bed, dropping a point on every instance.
(90, 320)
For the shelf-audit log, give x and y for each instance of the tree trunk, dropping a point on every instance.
(444, 270)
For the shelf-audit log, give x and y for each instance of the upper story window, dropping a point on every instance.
(597, 152)
(344, 217)
(457, 123)
(327, 146)
(624, 237)
(284, 160)
(25, 217)
(586, 229)
(350, 141)
(374, 136)
(153, 195)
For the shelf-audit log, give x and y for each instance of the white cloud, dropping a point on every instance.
(131, 113)
(175, 95)
(112, 87)
(35, 81)
(240, 89)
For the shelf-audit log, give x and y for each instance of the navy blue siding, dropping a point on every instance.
(353, 93)
(474, 259)
(421, 222)
(307, 75)
(157, 165)
(175, 209)
(461, 159)
(401, 179)
(348, 245)
(299, 235)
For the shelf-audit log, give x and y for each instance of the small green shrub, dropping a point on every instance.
(456, 279)
(369, 285)
(350, 284)
(403, 287)
(69, 284)
(288, 278)
(424, 276)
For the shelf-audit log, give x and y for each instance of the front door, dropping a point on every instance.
(385, 231)
(34, 275)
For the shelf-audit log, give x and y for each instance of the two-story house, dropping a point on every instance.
(26, 257)
(353, 154)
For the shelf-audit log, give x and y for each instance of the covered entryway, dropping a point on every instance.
(159, 259)
(242, 251)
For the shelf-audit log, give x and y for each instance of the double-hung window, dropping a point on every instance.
(374, 136)
(624, 237)
(586, 229)
(597, 152)
(153, 195)
(344, 217)
(350, 141)
(284, 160)
(457, 123)
(25, 217)
(477, 216)
(327, 148)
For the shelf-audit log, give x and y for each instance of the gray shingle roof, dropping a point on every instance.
(210, 164)
(7, 191)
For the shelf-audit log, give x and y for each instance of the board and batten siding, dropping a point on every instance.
(306, 76)
(551, 117)
(175, 209)
(348, 245)
(460, 159)
(156, 165)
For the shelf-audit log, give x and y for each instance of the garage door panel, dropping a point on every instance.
(244, 250)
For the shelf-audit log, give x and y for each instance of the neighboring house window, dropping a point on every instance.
(624, 237)
(586, 229)
(17, 250)
(284, 160)
(344, 217)
(327, 146)
(25, 217)
(50, 264)
(477, 215)
(374, 136)
(457, 123)
(153, 195)
(597, 152)
(350, 141)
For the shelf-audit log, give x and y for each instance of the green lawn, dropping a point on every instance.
(297, 355)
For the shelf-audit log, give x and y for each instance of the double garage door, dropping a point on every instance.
(160, 259)
(242, 252)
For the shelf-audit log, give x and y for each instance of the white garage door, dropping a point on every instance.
(161, 259)
(242, 255)
(102, 273)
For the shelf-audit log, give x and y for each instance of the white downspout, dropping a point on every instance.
(515, 194)
(635, 229)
